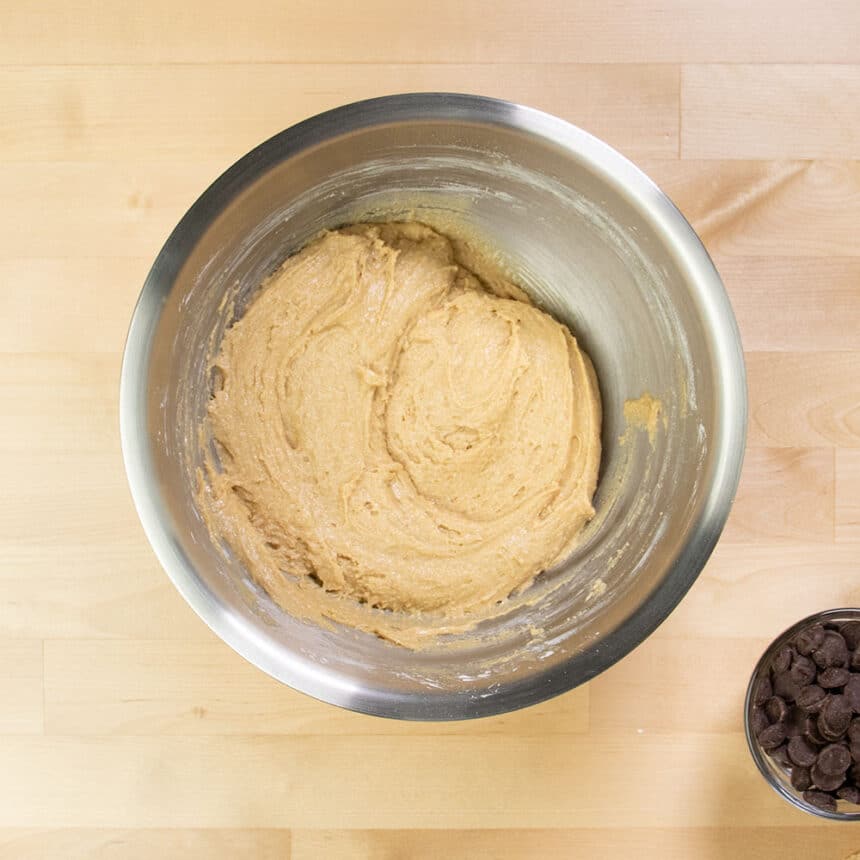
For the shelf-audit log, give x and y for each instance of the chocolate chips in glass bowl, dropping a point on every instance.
(803, 712)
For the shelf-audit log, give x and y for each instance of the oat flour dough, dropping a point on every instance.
(398, 431)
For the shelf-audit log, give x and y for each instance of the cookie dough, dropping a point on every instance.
(395, 430)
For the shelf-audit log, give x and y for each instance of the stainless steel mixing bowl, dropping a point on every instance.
(596, 244)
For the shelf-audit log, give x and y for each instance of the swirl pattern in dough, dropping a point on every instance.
(397, 430)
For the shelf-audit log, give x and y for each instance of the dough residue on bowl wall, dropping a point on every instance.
(399, 443)
(643, 413)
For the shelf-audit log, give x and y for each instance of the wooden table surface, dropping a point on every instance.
(127, 730)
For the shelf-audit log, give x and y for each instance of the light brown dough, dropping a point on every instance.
(398, 431)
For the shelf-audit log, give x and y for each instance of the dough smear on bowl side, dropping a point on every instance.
(395, 433)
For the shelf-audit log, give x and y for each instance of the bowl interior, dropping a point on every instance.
(596, 246)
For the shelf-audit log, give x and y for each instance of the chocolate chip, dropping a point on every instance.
(763, 690)
(758, 720)
(775, 709)
(795, 722)
(834, 760)
(801, 778)
(826, 781)
(813, 735)
(802, 752)
(833, 677)
(852, 692)
(855, 659)
(850, 631)
(854, 730)
(835, 717)
(780, 756)
(803, 671)
(849, 793)
(811, 698)
(820, 800)
(808, 640)
(785, 687)
(854, 750)
(832, 652)
(782, 661)
(772, 736)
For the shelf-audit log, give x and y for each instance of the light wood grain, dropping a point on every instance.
(201, 688)
(127, 729)
(100, 294)
(785, 494)
(848, 496)
(87, 31)
(804, 399)
(380, 782)
(23, 691)
(177, 112)
(79, 387)
(751, 111)
(764, 587)
(89, 506)
(144, 844)
(594, 843)
(767, 208)
(112, 588)
(649, 691)
(794, 304)
(97, 210)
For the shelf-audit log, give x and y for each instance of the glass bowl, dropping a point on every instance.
(778, 778)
